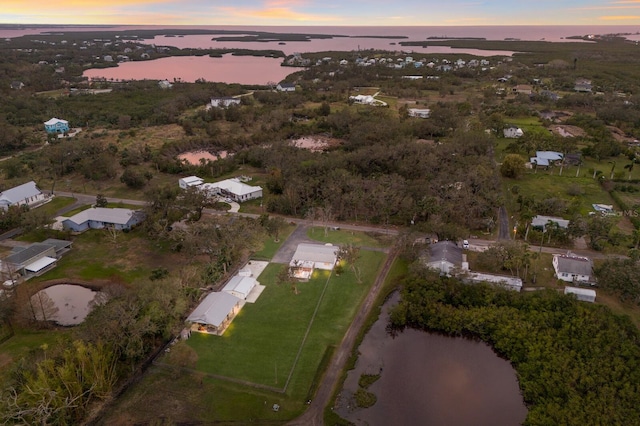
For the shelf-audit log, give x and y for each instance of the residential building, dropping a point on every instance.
(512, 132)
(102, 217)
(224, 102)
(309, 257)
(56, 125)
(541, 221)
(445, 256)
(286, 87)
(572, 268)
(234, 189)
(419, 112)
(26, 194)
(214, 314)
(33, 260)
(189, 181)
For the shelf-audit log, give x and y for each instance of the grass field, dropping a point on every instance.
(261, 346)
(340, 237)
(270, 247)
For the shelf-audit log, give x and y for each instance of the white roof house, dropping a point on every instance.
(27, 193)
(102, 217)
(572, 268)
(513, 132)
(214, 314)
(224, 102)
(234, 189)
(188, 181)
(308, 257)
(582, 294)
(240, 286)
(419, 112)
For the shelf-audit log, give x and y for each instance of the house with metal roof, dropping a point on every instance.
(445, 256)
(224, 102)
(102, 217)
(189, 181)
(572, 268)
(34, 259)
(286, 87)
(541, 221)
(309, 257)
(214, 314)
(240, 286)
(56, 125)
(26, 194)
(234, 189)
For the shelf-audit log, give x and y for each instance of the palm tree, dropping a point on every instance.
(630, 166)
(613, 167)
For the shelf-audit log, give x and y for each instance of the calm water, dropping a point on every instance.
(428, 379)
(71, 303)
(228, 69)
(194, 157)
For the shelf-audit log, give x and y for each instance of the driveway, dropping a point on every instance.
(286, 251)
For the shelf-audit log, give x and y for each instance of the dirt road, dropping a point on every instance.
(314, 415)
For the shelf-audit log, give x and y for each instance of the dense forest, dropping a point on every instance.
(577, 363)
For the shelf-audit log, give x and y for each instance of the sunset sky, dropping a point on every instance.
(322, 12)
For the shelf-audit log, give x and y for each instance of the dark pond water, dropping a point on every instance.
(65, 304)
(429, 379)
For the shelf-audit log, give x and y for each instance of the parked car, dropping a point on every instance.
(465, 244)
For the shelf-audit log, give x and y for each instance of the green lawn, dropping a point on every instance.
(343, 236)
(261, 344)
(543, 185)
(56, 204)
(270, 247)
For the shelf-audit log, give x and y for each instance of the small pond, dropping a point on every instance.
(194, 157)
(64, 304)
(430, 379)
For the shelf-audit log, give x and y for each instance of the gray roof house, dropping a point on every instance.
(308, 257)
(572, 268)
(34, 259)
(26, 194)
(102, 217)
(214, 314)
(444, 256)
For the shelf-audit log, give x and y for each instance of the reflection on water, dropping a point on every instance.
(432, 379)
(194, 157)
(228, 69)
(65, 304)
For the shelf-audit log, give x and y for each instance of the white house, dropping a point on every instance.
(582, 294)
(189, 181)
(308, 257)
(214, 314)
(240, 286)
(512, 132)
(286, 87)
(234, 189)
(25, 194)
(363, 99)
(419, 112)
(224, 102)
(102, 217)
(572, 268)
(165, 84)
(56, 125)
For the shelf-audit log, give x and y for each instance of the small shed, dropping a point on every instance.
(240, 286)
(582, 294)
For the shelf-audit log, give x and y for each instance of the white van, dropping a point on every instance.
(465, 244)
